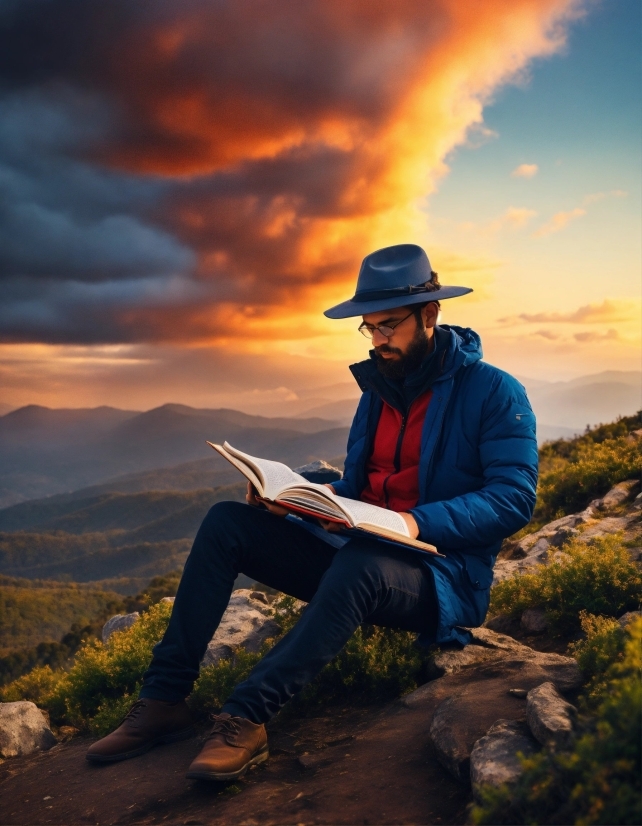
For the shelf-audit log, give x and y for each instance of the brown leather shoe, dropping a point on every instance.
(232, 746)
(146, 724)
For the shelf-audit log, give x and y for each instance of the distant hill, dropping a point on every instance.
(107, 536)
(44, 452)
(42, 612)
(588, 400)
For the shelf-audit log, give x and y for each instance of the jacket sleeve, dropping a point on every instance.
(508, 456)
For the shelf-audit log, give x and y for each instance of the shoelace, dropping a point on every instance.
(226, 726)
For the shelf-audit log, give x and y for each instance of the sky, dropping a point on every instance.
(186, 186)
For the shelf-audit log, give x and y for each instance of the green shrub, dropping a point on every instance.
(602, 647)
(590, 472)
(597, 577)
(105, 679)
(598, 779)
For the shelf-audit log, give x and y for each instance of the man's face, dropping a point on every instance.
(403, 351)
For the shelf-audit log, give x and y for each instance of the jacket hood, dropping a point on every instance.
(458, 347)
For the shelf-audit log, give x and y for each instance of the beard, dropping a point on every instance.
(406, 363)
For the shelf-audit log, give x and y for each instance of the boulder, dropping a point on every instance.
(494, 758)
(119, 622)
(171, 600)
(616, 496)
(627, 619)
(549, 716)
(247, 622)
(451, 750)
(534, 621)
(23, 729)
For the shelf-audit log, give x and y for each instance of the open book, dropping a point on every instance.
(275, 482)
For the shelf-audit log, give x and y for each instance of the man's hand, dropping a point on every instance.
(413, 527)
(251, 499)
(331, 527)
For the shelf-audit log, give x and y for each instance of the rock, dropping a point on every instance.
(119, 622)
(483, 681)
(247, 622)
(452, 751)
(502, 623)
(627, 619)
(549, 716)
(494, 760)
(169, 599)
(534, 621)
(489, 647)
(617, 495)
(23, 729)
(320, 472)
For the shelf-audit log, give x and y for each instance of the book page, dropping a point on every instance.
(245, 469)
(373, 515)
(275, 476)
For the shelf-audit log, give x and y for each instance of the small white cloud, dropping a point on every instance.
(559, 221)
(517, 216)
(594, 197)
(525, 170)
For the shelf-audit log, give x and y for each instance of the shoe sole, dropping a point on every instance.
(184, 734)
(261, 757)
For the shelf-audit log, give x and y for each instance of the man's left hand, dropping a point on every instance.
(413, 527)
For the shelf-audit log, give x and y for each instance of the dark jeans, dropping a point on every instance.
(362, 581)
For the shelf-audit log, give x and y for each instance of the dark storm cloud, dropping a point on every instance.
(165, 164)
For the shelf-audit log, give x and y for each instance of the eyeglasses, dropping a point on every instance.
(386, 330)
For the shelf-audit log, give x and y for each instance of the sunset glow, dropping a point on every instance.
(187, 186)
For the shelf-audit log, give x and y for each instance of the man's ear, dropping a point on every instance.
(430, 314)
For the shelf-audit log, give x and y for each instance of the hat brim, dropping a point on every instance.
(350, 308)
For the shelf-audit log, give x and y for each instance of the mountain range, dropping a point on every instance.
(47, 451)
(44, 452)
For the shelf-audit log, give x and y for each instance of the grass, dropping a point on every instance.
(597, 577)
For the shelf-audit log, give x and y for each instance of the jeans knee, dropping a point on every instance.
(223, 513)
(354, 566)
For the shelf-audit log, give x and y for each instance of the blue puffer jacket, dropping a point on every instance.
(477, 472)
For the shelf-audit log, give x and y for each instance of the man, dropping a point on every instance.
(440, 437)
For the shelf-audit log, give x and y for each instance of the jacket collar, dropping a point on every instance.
(455, 348)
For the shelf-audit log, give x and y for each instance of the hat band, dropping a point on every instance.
(376, 295)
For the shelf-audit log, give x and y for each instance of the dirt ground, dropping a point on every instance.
(372, 765)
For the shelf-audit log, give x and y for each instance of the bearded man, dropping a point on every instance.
(439, 436)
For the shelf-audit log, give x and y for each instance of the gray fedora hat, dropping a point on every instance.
(394, 277)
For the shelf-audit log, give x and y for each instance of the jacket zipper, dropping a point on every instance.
(397, 459)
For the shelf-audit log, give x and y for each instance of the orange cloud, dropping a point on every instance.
(609, 311)
(525, 170)
(559, 221)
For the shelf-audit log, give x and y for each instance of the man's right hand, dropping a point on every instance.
(251, 497)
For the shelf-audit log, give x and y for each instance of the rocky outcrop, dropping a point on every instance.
(490, 647)
(119, 622)
(540, 547)
(23, 729)
(494, 759)
(549, 716)
(320, 472)
(247, 622)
